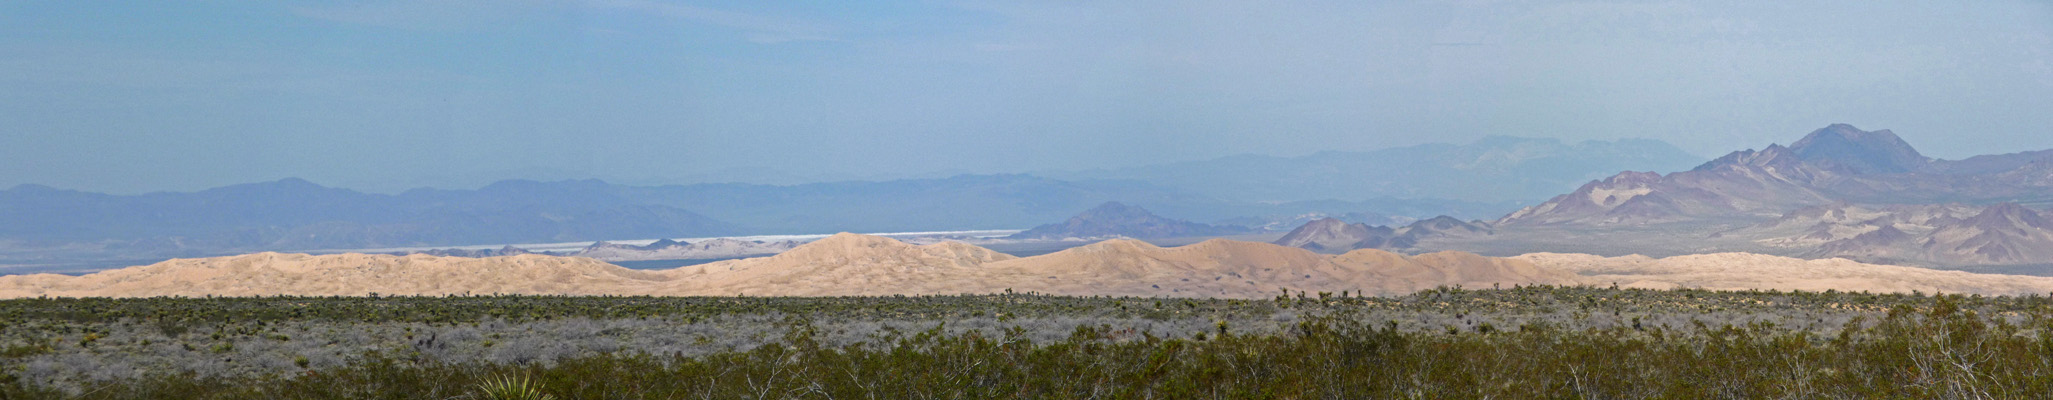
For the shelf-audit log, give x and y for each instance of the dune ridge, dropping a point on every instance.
(861, 265)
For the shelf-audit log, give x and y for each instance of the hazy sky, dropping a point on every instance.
(180, 95)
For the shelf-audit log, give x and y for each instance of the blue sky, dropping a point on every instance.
(131, 97)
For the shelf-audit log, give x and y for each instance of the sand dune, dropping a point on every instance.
(850, 264)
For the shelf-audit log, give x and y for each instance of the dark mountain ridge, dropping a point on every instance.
(1332, 235)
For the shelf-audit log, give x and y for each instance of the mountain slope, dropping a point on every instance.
(2001, 234)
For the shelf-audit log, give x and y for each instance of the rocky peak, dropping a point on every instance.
(1861, 152)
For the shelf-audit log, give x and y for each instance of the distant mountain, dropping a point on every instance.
(1491, 170)
(1332, 235)
(1113, 219)
(1336, 236)
(1837, 192)
(1839, 163)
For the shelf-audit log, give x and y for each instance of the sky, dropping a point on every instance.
(131, 97)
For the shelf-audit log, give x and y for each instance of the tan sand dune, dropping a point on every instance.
(845, 264)
(340, 274)
(850, 264)
(1227, 268)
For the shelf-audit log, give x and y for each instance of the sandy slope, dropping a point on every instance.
(850, 264)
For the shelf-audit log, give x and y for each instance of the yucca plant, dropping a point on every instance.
(511, 387)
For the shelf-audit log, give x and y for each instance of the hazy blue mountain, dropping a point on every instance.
(1116, 219)
(1490, 170)
(294, 214)
(986, 202)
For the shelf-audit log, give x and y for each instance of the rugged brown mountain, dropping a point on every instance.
(1335, 236)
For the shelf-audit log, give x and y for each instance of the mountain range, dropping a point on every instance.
(41, 225)
(1839, 163)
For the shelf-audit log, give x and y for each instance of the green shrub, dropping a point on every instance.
(511, 387)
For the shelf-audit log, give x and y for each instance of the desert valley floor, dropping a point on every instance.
(861, 265)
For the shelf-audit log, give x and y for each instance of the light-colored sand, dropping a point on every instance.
(850, 264)
(1741, 271)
